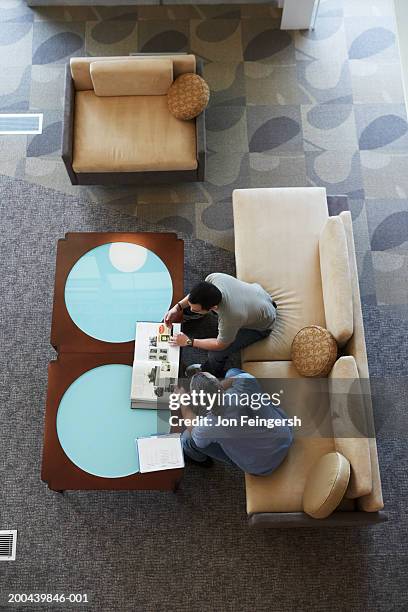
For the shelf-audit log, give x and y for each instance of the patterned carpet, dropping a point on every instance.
(287, 109)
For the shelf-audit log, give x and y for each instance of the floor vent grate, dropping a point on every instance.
(8, 544)
(21, 123)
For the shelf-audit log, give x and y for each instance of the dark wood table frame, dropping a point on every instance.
(79, 353)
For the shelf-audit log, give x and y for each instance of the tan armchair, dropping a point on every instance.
(117, 128)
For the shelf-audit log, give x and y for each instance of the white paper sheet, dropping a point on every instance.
(160, 453)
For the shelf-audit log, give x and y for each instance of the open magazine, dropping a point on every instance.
(155, 365)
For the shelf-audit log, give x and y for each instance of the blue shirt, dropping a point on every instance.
(256, 449)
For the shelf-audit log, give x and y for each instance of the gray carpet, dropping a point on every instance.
(159, 551)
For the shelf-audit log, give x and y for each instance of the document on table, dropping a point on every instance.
(160, 453)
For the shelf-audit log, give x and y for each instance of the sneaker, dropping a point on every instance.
(192, 369)
(208, 462)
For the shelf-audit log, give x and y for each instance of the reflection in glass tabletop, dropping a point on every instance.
(96, 426)
(115, 285)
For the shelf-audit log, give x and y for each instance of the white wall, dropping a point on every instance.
(298, 14)
(401, 14)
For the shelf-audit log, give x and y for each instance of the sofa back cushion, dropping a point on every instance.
(336, 280)
(151, 77)
(350, 425)
(81, 74)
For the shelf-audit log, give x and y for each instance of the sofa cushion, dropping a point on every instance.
(148, 77)
(325, 485)
(350, 424)
(282, 491)
(130, 134)
(188, 96)
(303, 397)
(81, 75)
(285, 226)
(314, 351)
(336, 280)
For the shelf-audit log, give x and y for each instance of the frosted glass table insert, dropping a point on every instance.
(96, 426)
(115, 285)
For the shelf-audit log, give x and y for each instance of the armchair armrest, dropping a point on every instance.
(68, 125)
(200, 132)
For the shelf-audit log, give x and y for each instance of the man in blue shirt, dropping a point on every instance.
(233, 431)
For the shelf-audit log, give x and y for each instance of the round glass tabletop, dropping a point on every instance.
(96, 426)
(115, 285)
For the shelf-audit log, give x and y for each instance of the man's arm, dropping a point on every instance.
(206, 344)
(202, 436)
(210, 344)
(174, 315)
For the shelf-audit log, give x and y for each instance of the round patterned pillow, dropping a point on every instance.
(326, 485)
(188, 96)
(314, 351)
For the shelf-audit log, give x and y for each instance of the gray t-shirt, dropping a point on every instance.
(243, 304)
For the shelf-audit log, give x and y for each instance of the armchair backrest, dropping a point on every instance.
(81, 66)
(146, 77)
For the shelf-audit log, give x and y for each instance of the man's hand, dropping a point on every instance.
(174, 315)
(179, 390)
(179, 340)
(187, 413)
(227, 383)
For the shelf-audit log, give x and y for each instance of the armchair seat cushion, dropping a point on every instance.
(130, 134)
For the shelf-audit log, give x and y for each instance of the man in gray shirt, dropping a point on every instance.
(246, 314)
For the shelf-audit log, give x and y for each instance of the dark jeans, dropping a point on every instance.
(213, 450)
(216, 360)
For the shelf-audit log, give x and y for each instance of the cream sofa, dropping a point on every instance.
(278, 234)
(117, 127)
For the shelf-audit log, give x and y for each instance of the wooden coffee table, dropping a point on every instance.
(90, 429)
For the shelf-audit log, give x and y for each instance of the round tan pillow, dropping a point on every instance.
(326, 485)
(314, 351)
(188, 96)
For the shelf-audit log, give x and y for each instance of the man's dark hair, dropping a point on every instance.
(206, 294)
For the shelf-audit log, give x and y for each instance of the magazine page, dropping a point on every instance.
(153, 381)
(152, 343)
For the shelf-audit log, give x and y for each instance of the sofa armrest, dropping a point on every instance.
(200, 132)
(68, 125)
